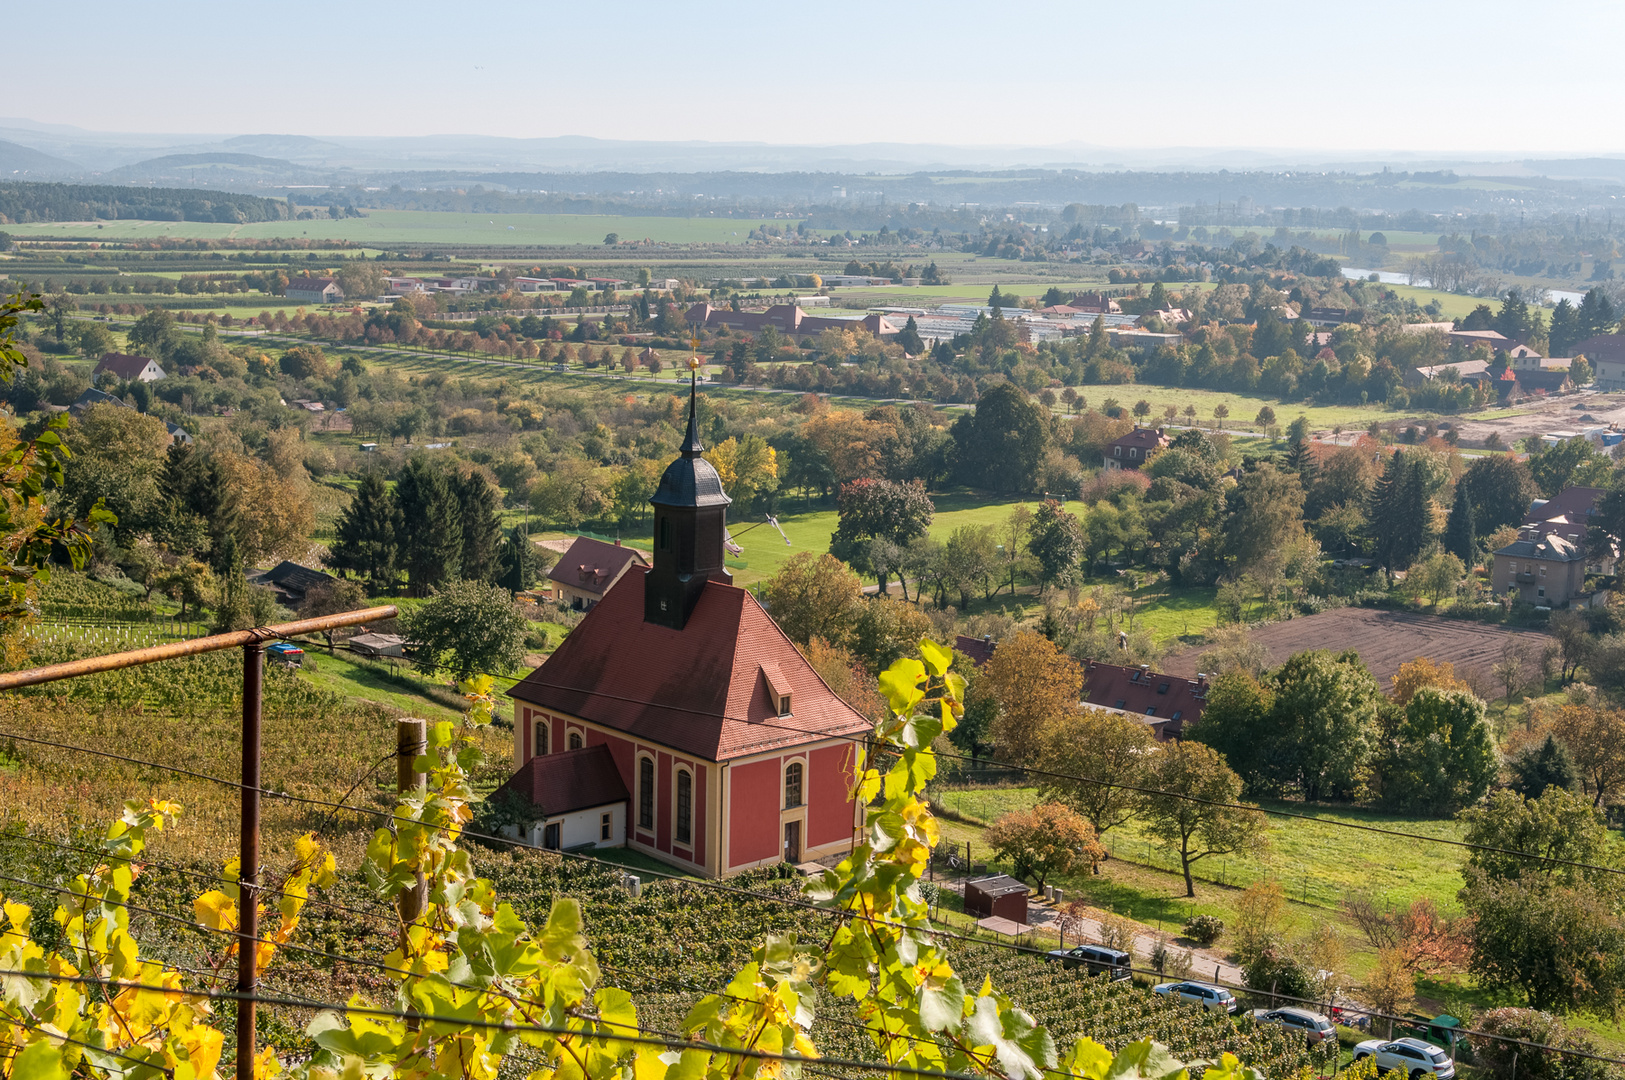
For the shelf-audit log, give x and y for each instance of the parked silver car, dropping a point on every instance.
(1210, 997)
(1417, 1059)
(1311, 1025)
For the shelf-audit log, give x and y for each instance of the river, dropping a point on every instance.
(1389, 277)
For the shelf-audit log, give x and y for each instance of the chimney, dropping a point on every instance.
(617, 541)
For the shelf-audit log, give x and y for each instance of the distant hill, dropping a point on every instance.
(16, 160)
(23, 202)
(176, 160)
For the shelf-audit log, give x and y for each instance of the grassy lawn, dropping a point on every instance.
(1318, 865)
(341, 675)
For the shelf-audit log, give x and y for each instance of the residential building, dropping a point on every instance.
(1547, 571)
(1496, 340)
(730, 750)
(1132, 450)
(1538, 383)
(1606, 355)
(322, 290)
(1570, 514)
(1527, 359)
(1166, 703)
(589, 569)
(126, 367)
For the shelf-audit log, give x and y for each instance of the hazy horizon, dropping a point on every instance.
(1084, 83)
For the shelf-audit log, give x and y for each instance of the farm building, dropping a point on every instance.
(292, 581)
(732, 751)
(787, 319)
(323, 290)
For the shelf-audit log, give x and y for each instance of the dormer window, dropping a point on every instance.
(1117, 451)
(778, 689)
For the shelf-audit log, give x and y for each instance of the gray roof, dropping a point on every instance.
(1547, 548)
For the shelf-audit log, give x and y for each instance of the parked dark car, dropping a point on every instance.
(1096, 959)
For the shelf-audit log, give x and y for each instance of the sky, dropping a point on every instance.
(1419, 76)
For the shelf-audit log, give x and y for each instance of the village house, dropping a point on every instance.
(728, 750)
(1547, 571)
(1132, 450)
(321, 290)
(1606, 355)
(1165, 703)
(1570, 514)
(126, 367)
(589, 569)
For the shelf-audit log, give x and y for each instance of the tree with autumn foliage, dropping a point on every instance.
(1413, 675)
(1036, 685)
(1046, 840)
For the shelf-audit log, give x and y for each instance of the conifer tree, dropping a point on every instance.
(1399, 514)
(369, 532)
(1301, 460)
(477, 502)
(520, 564)
(1459, 533)
(431, 526)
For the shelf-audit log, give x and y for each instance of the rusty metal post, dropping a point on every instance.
(248, 866)
(411, 741)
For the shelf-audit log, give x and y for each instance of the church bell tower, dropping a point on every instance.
(690, 511)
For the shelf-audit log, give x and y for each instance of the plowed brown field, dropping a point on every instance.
(1384, 640)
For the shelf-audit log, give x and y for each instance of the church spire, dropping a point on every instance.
(692, 448)
(690, 517)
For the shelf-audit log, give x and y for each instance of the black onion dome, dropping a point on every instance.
(690, 481)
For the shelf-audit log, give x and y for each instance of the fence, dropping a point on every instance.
(252, 642)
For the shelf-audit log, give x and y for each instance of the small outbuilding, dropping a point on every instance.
(1000, 895)
(571, 800)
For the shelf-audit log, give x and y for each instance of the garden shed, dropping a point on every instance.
(1000, 895)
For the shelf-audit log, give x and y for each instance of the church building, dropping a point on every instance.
(678, 720)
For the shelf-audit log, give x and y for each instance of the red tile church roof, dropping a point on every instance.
(700, 690)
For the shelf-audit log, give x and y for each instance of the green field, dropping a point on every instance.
(430, 227)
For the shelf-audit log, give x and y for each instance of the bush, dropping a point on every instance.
(1276, 972)
(1204, 929)
(1504, 1060)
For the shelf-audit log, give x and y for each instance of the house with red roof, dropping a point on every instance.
(589, 569)
(1165, 703)
(731, 750)
(1133, 449)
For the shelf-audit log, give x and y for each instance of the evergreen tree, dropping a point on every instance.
(477, 500)
(1565, 330)
(369, 532)
(1514, 319)
(520, 564)
(1301, 460)
(910, 338)
(1596, 314)
(1159, 297)
(198, 512)
(1399, 514)
(431, 531)
(997, 299)
(1540, 767)
(1459, 537)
